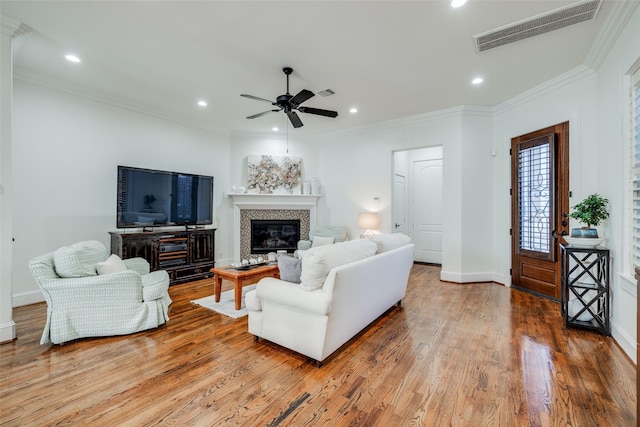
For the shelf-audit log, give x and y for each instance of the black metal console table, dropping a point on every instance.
(585, 288)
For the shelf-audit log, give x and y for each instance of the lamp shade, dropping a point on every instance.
(368, 220)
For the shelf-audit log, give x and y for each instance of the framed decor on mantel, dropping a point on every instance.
(274, 174)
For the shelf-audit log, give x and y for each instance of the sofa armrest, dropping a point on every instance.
(139, 265)
(116, 288)
(292, 295)
(155, 285)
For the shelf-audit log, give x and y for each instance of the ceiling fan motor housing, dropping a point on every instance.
(283, 100)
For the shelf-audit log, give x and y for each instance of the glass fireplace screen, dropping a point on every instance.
(271, 235)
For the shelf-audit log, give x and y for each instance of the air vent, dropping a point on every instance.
(326, 92)
(554, 20)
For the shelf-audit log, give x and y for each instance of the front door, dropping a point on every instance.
(539, 207)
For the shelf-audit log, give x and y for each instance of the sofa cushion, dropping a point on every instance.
(317, 262)
(290, 268)
(387, 242)
(322, 241)
(113, 264)
(79, 259)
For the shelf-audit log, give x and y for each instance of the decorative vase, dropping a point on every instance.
(306, 187)
(315, 186)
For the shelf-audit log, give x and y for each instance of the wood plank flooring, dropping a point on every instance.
(452, 355)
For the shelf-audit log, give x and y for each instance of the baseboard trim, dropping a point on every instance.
(624, 341)
(449, 276)
(7, 332)
(27, 298)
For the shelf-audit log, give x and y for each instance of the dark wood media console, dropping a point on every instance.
(186, 255)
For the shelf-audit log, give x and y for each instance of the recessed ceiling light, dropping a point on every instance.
(275, 129)
(202, 103)
(477, 80)
(457, 3)
(353, 110)
(72, 58)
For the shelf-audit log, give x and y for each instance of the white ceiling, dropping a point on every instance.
(390, 59)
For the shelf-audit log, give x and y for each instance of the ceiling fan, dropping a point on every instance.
(290, 103)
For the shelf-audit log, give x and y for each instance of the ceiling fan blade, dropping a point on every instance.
(295, 120)
(257, 98)
(318, 111)
(302, 96)
(262, 114)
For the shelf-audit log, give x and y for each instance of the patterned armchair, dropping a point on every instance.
(90, 294)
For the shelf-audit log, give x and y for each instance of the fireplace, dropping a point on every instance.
(248, 207)
(271, 235)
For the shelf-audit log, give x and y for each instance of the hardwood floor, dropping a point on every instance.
(454, 355)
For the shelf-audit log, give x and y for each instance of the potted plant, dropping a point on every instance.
(591, 212)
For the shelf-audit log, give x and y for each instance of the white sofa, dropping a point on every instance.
(363, 279)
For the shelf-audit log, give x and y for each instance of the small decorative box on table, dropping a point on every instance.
(585, 288)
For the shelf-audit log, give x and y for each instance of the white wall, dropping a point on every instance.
(594, 104)
(65, 153)
(276, 144)
(357, 166)
(572, 98)
(477, 191)
(612, 170)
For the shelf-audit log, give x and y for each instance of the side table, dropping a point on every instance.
(585, 288)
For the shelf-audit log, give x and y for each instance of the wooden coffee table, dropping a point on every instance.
(241, 278)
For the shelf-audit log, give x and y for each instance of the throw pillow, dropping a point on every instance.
(322, 241)
(113, 264)
(290, 268)
(79, 259)
(317, 262)
(387, 242)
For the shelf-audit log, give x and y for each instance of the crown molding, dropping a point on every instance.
(12, 28)
(554, 84)
(454, 112)
(115, 101)
(610, 31)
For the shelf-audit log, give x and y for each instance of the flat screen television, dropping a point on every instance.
(155, 198)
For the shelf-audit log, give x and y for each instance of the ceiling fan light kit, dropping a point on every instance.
(289, 103)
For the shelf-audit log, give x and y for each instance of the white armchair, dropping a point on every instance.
(126, 298)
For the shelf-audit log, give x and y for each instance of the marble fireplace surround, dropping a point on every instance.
(269, 206)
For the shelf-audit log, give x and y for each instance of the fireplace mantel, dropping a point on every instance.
(274, 201)
(269, 201)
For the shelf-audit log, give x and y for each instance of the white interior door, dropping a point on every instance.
(399, 204)
(427, 210)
